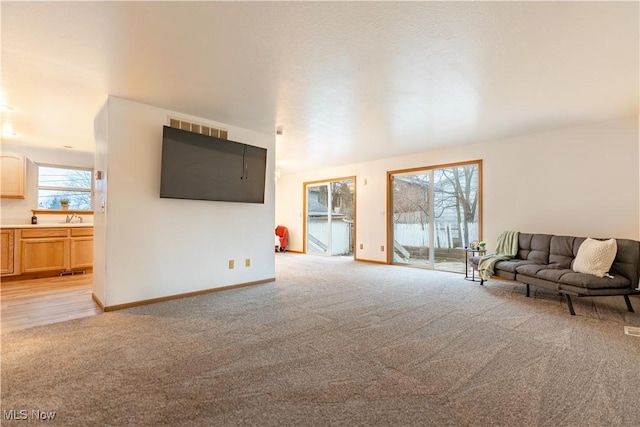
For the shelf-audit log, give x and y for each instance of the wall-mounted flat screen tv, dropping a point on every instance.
(201, 167)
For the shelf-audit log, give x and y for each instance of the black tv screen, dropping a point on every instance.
(201, 167)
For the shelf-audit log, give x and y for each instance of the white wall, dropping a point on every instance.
(581, 181)
(160, 247)
(18, 211)
(101, 135)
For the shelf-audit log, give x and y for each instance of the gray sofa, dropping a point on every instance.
(545, 261)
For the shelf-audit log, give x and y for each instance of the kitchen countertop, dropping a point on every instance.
(48, 225)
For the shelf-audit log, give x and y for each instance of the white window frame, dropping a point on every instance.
(65, 189)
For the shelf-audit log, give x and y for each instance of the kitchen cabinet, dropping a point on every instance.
(7, 251)
(81, 248)
(44, 249)
(12, 175)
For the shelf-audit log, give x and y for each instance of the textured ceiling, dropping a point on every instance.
(347, 81)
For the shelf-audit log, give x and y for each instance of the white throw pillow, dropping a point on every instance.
(595, 256)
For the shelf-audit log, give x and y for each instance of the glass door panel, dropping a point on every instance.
(411, 212)
(455, 213)
(318, 219)
(342, 215)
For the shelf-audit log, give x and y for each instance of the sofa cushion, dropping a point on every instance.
(475, 259)
(511, 265)
(589, 281)
(595, 257)
(626, 262)
(530, 269)
(553, 274)
(562, 251)
(534, 247)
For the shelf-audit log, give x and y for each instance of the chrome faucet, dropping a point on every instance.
(71, 217)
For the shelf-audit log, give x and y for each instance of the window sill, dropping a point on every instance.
(60, 212)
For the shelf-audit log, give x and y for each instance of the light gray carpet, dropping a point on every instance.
(336, 342)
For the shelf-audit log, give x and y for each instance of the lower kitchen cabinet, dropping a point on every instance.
(44, 254)
(44, 249)
(41, 250)
(7, 251)
(81, 256)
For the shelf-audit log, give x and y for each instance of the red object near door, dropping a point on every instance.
(283, 233)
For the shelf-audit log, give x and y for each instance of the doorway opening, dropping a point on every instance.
(434, 215)
(330, 217)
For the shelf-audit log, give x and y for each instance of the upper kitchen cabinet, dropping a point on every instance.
(12, 175)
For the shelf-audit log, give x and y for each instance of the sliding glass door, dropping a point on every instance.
(330, 217)
(435, 214)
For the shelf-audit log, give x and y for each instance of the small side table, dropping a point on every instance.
(473, 253)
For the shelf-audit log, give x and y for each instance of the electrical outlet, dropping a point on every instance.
(361, 246)
(247, 262)
(382, 248)
(231, 264)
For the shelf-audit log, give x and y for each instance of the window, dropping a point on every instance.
(63, 182)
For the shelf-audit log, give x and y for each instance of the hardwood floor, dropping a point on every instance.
(27, 303)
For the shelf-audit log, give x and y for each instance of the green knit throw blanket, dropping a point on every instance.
(506, 249)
